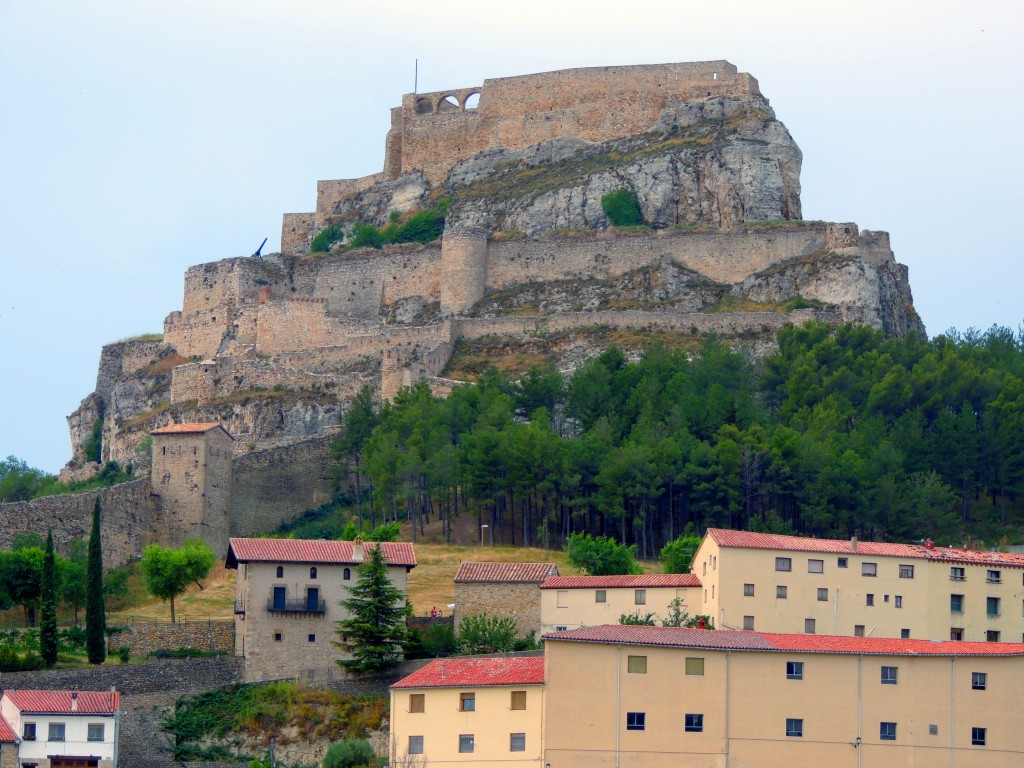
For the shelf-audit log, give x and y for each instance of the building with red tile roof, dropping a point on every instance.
(187, 429)
(461, 672)
(240, 550)
(502, 590)
(475, 573)
(61, 729)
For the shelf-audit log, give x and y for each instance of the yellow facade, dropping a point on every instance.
(562, 609)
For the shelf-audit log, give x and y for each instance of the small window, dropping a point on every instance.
(467, 702)
(887, 731)
(748, 622)
(278, 637)
(978, 737)
(748, 590)
(841, 562)
(280, 571)
(311, 637)
(933, 729)
(640, 597)
(956, 633)
(815, 566)
(885, 599)
(992, 606)
(636, 665)
(346, 575)
(809, 626)
(906, 571)
(417, 702)
(956, 603)
(562, 598)
(858, 630)
(794, 727)
(517, 742)
(822, 594)
(56, 732)
(794, 670)
(783, 564)
(518, 700)
(694, 665)
(465, 743)
(869, 599)
(979, 680)
(95, 732)
(600, 596)
(29, 732)
(890, 675)
(636, 721)
(704, 567)
(560, 629)
(415, 745)
(898, 600)
(312, 572)
(905, 634)
(781, 592)
(714, 562)
(992, 636)
(994, 577)
(956, 574)
(694, 723)
(869, 569)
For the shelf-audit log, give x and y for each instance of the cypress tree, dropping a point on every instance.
(48, 605)
(95, 615)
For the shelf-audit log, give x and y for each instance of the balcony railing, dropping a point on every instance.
(296, 606)
(994, 580)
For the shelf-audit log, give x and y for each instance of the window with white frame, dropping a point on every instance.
(794, 670)
(95, 732)
(887, 731)
(979, 681)
(636, 721)
(795, 727)
(56, 732)
(994, 577)
(978, 736)
(890, 675)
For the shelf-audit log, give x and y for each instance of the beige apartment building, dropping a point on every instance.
(459, 711)
(287, 600)
(655, 697)
(570, 602)
(774, 583)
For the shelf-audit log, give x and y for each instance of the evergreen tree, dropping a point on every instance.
(374, 632)
(48, 605)
(95, 615)
(168, 572)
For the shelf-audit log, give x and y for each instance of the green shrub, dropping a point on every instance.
(325, 238)
(124, 654)
(366, 236)
(480, 633)
(435, 641)
(349, 753)
(94, 445)
(622, 208)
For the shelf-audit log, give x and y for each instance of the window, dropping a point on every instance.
(640, 596)
(869, 599)
(956, 633)
(978, 737)
(417, 702)
(992, 606)
(517, 742)
(311, 637)
(635, 721)
(694, 723)
(885, 599)
(979, 680)
(312, 599)
(841, 563)
(465, 742)
(904, 634)
(869, 569)
(906, 571)
(560, 629)
(714, 562)
(278, 637)
(794, 727)
(29, 732)
(280, 571)
(748, 590)
(705, 571)
(898, 599)
(887, 731)
(956, 574)
(312, 572)
(794, 670)
(815, 566)
(933, 730)
(992, 636)
(823, 594)
(415, 745)
(56, 732)
(858, 630)
(748, 622)
(636, 665)
(781, 591)
(809, 626)
(95, 732)
(890, 675)
(467, 702)
(562, 598)
(346, 575)
(518, 700)
(956, 603)
(600, 596)
(994, 577)
(694, 665)
(783, 564)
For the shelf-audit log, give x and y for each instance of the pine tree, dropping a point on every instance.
(48, 605)
(95, 615)
(375, 629)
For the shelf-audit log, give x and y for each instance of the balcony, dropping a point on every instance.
(302, 605)
(993, 580)
(957, 577)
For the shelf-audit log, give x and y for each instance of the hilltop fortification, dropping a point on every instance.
(528, 263)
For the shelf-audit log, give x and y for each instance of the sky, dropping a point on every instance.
(140, 138)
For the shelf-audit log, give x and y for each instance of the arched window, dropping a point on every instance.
(472, 101)
(280, 571)
(348, 574)
(312, 572)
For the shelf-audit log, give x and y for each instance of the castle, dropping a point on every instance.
(272, 349)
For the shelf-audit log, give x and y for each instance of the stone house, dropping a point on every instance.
(487, 711)
(63, 729)
(9, 742)
(502, 589)
(287, 601)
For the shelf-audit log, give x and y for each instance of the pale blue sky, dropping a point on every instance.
(139, 138)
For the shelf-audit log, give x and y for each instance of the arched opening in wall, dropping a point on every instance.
(424, 107)
(472, 101)
(448, 104)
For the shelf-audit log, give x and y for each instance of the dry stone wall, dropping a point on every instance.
(143, 638)
(517, 601)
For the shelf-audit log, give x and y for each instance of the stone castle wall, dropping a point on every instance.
(123, 358)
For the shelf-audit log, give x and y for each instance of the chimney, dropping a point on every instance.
(929, 544)
(357, 550)
(442, 670)
(74, 701)
(853, 544)
(701, 623)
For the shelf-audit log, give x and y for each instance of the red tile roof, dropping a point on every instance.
(59, 702)
(313, 551)
(6, 732)
(460, 673)
(648, 580)
(739, 640)
(751, 540)
(504, 572)
(179, 429)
